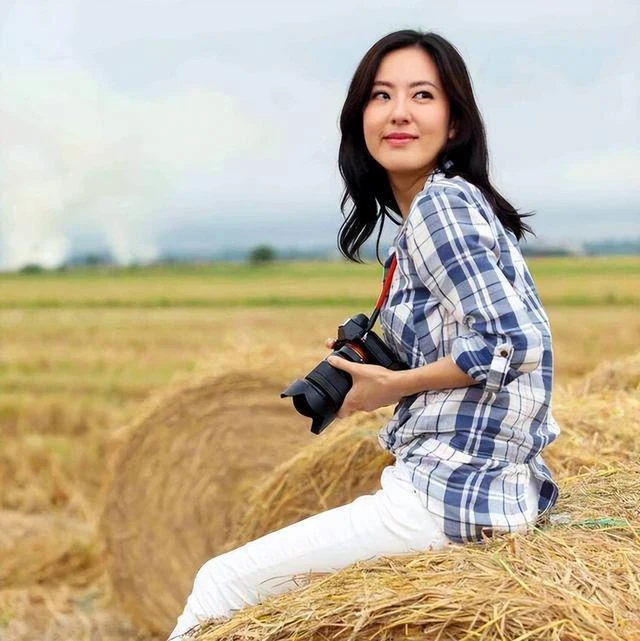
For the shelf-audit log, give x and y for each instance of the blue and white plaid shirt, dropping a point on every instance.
(462, 288)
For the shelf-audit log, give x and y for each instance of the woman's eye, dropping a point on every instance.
(379, 95)
(422, 95)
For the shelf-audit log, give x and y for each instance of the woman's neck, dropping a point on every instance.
(405, 187)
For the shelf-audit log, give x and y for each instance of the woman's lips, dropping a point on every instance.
(399, 140)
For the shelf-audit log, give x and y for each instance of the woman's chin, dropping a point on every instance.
(407, 169)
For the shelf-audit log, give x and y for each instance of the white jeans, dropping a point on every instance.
(391, 521)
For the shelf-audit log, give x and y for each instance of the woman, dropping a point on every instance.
(472, 411)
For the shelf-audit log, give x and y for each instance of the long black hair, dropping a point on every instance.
(368, 199)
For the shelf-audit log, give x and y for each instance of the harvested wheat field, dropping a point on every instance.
(128, 401)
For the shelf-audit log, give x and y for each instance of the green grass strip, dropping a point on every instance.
(275, 301)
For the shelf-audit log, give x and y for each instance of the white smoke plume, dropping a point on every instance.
(76, 156)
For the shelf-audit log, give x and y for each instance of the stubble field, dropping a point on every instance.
(81, 353)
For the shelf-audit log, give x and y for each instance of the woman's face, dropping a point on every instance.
(406, 121)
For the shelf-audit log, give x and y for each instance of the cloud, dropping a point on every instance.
(615, 168)
(556, 138)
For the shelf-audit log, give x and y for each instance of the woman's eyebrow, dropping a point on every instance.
(417, 83)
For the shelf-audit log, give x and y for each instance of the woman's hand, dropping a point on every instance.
(373, 386)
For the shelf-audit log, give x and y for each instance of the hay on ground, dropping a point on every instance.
(59, 612)
(182, 473)
(564, 582)
(44, 547)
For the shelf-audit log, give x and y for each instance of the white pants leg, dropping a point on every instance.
(391, 521)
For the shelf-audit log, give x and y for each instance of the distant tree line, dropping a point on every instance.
(264, 254)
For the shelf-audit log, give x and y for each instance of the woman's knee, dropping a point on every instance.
(227, 573)
(214, 591)
(210, 576)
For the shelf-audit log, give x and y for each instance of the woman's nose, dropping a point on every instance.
(400, 113)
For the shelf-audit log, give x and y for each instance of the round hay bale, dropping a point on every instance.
(619, 374)
(566, 582)
(181, 476)
(40, 547)
(344, 463)
(596, 429)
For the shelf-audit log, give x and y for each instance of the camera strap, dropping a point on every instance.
(386, 286)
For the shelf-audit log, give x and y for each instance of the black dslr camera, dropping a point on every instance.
(321, 393)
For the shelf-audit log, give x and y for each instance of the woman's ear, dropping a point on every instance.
(453, 130)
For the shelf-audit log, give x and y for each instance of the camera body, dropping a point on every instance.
(322, 391)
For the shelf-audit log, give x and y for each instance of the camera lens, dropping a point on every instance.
(321, 393)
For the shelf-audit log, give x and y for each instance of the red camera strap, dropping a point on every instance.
(386, 286)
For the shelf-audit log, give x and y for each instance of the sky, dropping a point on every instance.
(143, 127)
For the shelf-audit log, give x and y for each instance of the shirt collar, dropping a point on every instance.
(434, 176)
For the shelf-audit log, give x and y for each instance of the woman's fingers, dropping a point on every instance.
(346, 409)
(373, 386)
(343, 364)
(346, 366)
(329, 343)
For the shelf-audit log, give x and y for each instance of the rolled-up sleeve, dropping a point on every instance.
(455, 254)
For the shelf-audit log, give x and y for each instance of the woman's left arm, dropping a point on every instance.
(454, 253)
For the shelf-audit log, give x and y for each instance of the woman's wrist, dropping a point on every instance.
(408, 382)
(442, 374)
